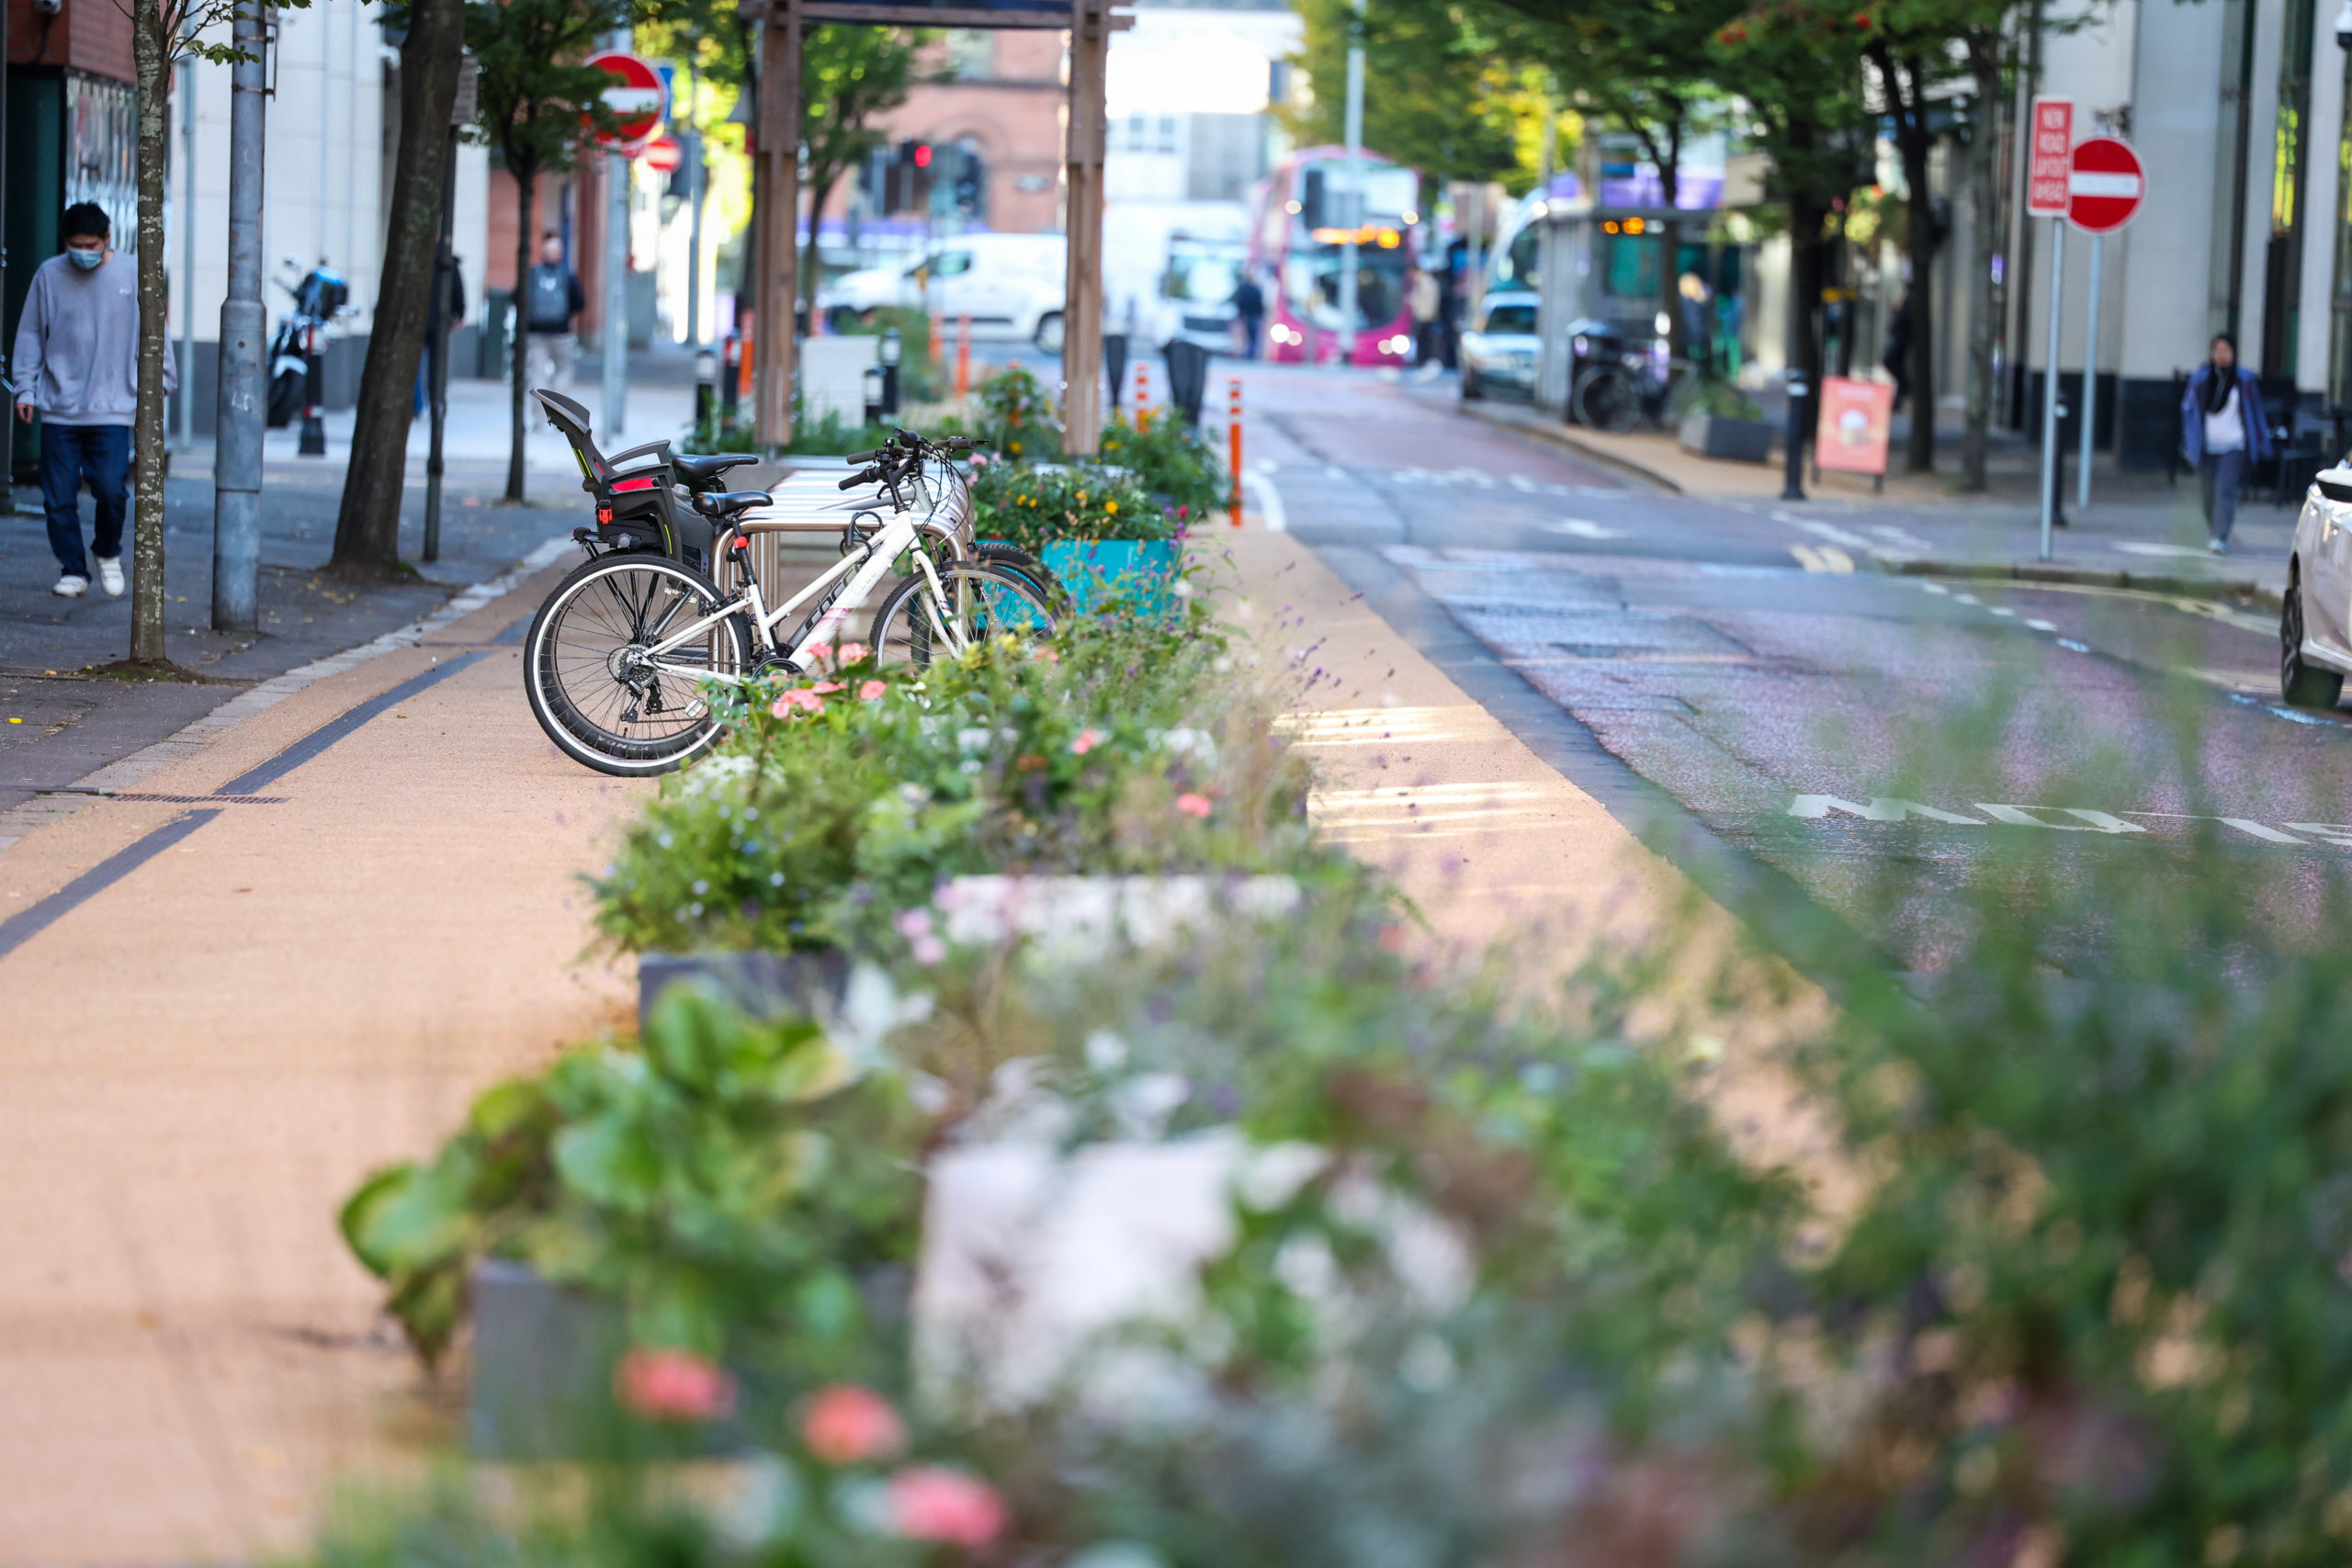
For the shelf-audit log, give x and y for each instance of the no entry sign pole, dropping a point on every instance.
(2104, 187)
(2046, 194)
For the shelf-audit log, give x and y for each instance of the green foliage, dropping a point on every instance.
(1062, 757)
(1017, 416)
(1455, 96)
(1034, 506)
(1713, 396)
(851, 76)
(1173, 461)
(726, 1181)
(535, 97)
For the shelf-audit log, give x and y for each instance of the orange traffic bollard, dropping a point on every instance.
(962, 354)
(1233, 445)
(1142, 395)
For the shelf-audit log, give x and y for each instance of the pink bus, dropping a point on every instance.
(1299, 222)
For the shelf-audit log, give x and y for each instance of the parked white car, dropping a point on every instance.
(1010, 285)
(1498, 353)
(2316, 620)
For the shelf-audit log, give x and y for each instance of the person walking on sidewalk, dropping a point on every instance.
(2222, 429)
(552, 301)
(78, 367)
(1250, 314)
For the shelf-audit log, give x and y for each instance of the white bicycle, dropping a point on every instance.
(617, 660)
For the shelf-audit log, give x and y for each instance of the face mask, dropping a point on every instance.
(86, 260)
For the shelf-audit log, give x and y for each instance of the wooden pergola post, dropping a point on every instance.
(1089, 46)
(776, 210)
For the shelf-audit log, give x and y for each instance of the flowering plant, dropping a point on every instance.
(1115, 749)
(1031, 506)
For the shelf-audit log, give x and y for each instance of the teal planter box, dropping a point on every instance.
(1140, 574)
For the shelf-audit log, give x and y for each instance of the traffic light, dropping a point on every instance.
(922, 155)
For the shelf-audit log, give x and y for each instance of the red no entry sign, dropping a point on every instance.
(2053, 138)
(663, 154)
(2104, 185)
(636, 98)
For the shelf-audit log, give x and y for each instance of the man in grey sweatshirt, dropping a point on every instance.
(77, 367)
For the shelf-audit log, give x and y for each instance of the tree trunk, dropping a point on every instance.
(1808, 260)
(1669, 247)
(1920, 231)
(151, 52)
(518, 346)
(821, 190)
(368, 528)
(1984, 152)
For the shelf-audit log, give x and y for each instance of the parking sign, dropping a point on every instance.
(2046, 193)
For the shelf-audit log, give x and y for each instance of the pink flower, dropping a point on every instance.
(672, 1385)
(1087, 740)
(1193, 804)
(817, 653)
(852, 652)
(849, 1425)
(1183, 511)
(928, 1504)
(801, 697)
(1048, 654)
(870, 691)
(824, 686)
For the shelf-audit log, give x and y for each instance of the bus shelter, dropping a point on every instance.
(776, 187)
(1599, 268)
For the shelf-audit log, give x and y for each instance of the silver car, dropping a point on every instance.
(1499, 352)
(2315, 618)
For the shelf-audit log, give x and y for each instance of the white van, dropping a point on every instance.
(1010, 285)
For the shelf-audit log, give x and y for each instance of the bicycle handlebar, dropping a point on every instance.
(865, 477)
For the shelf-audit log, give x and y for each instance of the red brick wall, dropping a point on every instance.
(88, 34)
(546, 212)
(1014, 116)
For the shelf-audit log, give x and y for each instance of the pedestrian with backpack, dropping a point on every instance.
(552, 301)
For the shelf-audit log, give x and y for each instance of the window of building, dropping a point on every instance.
(971, 54)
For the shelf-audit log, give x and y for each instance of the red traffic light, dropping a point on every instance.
(922, 155)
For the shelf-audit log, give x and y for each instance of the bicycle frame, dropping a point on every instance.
(865, 567)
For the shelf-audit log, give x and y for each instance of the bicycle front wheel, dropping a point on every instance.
(973, 603)
(593, 688)
(1605, 400)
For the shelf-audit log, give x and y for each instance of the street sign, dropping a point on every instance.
(2053, 139)
(2104, 186)
(663, 154)
(636, 99)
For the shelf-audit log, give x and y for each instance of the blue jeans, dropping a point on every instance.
(71, 457)
(2221, 473)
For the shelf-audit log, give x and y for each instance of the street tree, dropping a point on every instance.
(849, 75)
(162, 32)
(1648, 68)
(1460, 94)
(1796, 68)
(367, 523)
(538, 104)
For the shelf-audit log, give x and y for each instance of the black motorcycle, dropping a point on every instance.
(294, 352)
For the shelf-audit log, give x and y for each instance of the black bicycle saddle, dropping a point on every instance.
(700, 471)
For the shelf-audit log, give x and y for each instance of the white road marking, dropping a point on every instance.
(1887, 809)
(1967, 599)
(1270, 501)
(1822, 557)
(2003, 610)
(1583, 529)
(1926, 587)
(2041, 625)
(1521, 482)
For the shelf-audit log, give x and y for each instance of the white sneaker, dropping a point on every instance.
(110, 576)
(71, 587)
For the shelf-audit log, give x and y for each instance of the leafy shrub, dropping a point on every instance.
(726, 1180)
(921, 379)
(1017, 417)
(1031, 506)
(1714, 397)
(1096, 753)
(1173, 461)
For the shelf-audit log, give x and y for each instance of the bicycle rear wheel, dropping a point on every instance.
(592, 689)
(976, 603)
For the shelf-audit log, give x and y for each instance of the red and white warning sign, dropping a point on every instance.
(2104, 185)
(638, 98)
(2049, 169)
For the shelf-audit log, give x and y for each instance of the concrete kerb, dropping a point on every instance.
(2234, 590)
(1543, 430)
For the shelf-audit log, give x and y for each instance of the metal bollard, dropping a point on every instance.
(1142, 395)
(1233, 443)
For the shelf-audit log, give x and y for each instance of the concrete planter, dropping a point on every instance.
(542, 1385)
(1099, 572)
(760, 984)
(1736, 440)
